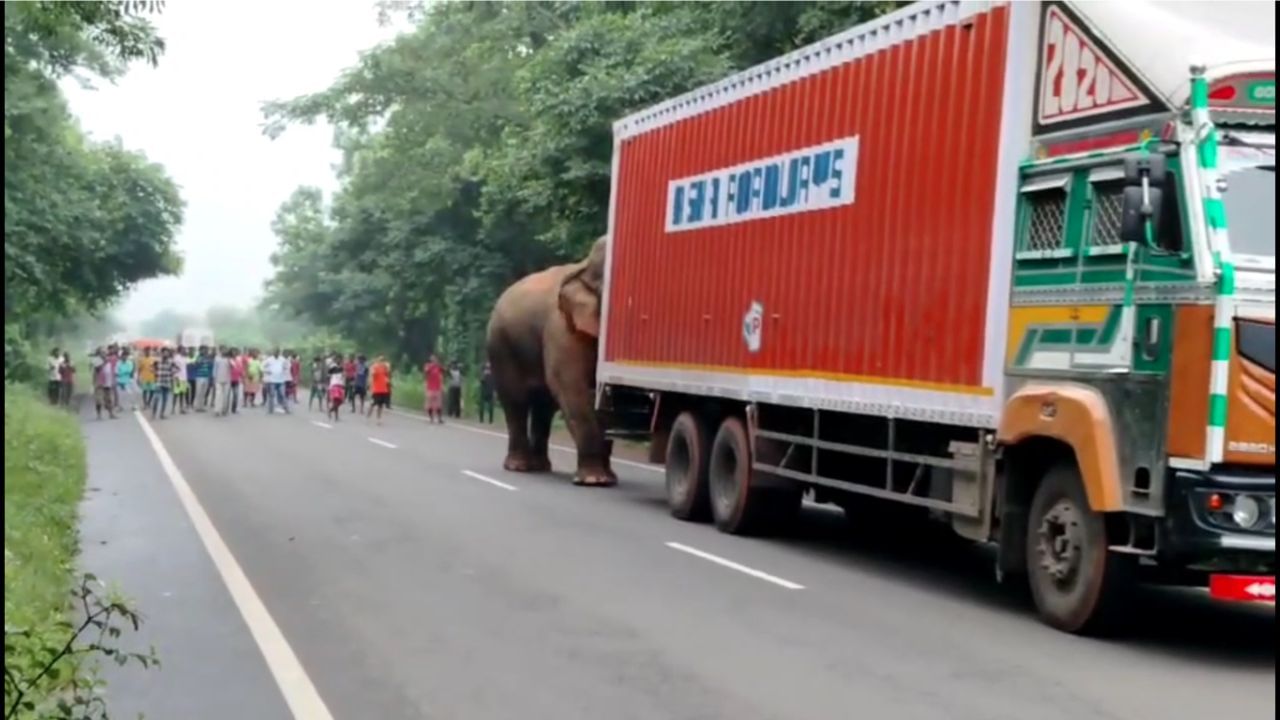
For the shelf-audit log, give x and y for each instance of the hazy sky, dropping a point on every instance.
(198, 115)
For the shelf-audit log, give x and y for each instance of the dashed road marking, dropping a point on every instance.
(299, 692)
(491, 481)
(319, 424)
(559, 448)
(735, 566)
(383, 443)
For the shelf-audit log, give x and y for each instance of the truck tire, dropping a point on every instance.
(1078, 585)
(737, 505)
(688, 454)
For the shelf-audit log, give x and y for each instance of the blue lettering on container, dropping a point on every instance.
(804, 180)
(743, 197)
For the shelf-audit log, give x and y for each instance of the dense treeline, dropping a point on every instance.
(477, 147)
(83, 220)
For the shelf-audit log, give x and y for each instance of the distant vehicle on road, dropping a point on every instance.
(1009, 264)
(195, 337)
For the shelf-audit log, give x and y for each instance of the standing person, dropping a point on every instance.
(319, 384)
(190, 364)
(204, 378)
(276, 372)
(181, 385)
(252, 379)
(361, 385)
(222, 383)
(337, 388)
(380, 386)
(68, 379)
(147, 375)
(126, 380)
(486, 393)
(191, 378)
(53, 373)
(295, 376)
(113, 394)
(433, 381)
(237, 378)
(455, 390)
(164, 369)
(104, 381)
(348, 374)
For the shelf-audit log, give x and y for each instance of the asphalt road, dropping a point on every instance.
(412, 578)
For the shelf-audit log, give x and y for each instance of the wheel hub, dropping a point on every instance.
(1061, 543)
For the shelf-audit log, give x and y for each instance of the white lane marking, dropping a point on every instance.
(489, 480)
(299, 692)
(319, 424)
(735, 566)
(559, 448)
(383, 443)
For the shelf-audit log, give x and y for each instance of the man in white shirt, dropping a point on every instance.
(275, 372)
(54, 375)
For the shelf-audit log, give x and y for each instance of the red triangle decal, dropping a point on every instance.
(1077, 80)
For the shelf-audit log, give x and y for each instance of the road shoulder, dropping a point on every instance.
(135, 535)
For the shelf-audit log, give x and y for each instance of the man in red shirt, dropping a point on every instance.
(380, 386)
(295, 375)
(433, 376)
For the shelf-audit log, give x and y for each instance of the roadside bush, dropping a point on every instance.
(56, 627)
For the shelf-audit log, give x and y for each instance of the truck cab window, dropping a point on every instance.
(1044, 227)
(1106, 213)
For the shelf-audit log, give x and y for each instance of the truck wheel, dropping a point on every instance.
(688, 454)
(1078, 585)
(739, 507)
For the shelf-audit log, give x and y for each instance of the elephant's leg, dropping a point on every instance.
(542, 409)
(593, 458)
(577, 401)
(516, 410)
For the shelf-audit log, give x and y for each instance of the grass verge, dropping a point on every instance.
(57, 626)
(44, 476)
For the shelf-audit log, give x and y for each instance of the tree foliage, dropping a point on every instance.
(477, 148)
(83, 220)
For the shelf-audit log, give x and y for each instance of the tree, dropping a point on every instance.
(84, 220)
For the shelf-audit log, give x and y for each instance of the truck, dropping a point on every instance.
(195, 337)
(1009, 266)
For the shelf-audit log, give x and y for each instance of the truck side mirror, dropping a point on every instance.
(1144, 179)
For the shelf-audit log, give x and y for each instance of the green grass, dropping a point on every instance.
(44, 479)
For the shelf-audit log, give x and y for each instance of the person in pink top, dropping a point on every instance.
(237, 378)
(433, 377)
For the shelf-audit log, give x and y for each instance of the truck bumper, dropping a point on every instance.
(1243, 588)
(1203, 531)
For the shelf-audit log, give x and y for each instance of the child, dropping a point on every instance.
(337, 388)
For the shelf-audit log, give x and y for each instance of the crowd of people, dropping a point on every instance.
(222, 380)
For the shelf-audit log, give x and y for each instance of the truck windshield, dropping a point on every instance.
(1250, 199)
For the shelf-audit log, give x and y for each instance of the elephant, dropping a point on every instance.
(541, 342)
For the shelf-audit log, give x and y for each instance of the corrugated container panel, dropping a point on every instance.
(890, 289)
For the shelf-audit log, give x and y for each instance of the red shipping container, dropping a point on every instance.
(833, 228)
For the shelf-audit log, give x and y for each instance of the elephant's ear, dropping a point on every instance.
(580, 303)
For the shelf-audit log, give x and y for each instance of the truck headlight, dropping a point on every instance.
(1246, 511)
